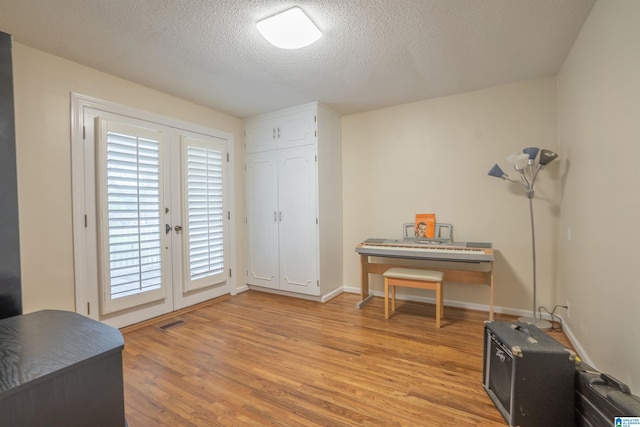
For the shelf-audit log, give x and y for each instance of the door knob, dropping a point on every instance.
(178, 228)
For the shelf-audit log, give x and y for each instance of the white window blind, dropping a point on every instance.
(204, 211)
(131, 216)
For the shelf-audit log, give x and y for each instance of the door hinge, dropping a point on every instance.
(88, 309)
(86, 221)
(318, 283)
(315, 119)
(317, 221)
(230, 273)
(84, 132)
(227, 157)
(229, 215)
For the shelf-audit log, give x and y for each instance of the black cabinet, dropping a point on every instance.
(10, 282)
(59, 368)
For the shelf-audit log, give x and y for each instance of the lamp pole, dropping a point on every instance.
(540, 323)
(526, 166)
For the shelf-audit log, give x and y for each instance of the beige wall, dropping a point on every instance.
(42, 87)
(433, 156)
(599, 137)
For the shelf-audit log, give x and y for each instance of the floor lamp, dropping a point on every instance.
(528, 164)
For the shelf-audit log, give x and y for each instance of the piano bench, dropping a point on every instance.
(413, 278)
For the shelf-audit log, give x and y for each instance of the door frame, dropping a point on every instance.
(84, 211)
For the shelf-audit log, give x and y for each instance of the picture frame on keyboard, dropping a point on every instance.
(425, 226)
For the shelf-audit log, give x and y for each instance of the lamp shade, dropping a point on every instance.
(532, 152)
(546, 157)
(519, 161)
(497, 172)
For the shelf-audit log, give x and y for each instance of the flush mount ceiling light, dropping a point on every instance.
(291, 29)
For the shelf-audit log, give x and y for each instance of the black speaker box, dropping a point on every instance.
(528, 375)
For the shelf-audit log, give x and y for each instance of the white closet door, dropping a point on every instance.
(260, 135)
(297, 220)
(296, 129)
(262, 219)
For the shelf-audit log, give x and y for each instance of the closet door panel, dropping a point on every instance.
(296, 129)
(262, 219)
(298, 228)
(260, 135)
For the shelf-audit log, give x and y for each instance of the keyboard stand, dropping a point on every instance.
(450, 275)
(365, 300)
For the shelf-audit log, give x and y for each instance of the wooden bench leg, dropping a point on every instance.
(439, 310)
(441, 301)
(393, 299)
(386, 297)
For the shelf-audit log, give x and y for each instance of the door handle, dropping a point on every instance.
(178, 228)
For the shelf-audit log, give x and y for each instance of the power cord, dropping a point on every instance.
(556, 321)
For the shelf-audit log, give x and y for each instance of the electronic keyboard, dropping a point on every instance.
(455, 251)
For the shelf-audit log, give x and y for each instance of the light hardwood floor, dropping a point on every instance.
(258, 359)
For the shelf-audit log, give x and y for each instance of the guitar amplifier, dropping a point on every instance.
(528, 375)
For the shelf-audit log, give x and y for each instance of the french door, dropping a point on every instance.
(133, 255)
(159, 241)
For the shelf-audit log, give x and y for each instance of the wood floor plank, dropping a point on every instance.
(258, 359)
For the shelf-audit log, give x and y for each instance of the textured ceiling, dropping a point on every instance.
(373, 54)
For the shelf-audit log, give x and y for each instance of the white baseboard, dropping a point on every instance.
(239, 290)
(332, 295)
(319, 298)
(576, 344)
